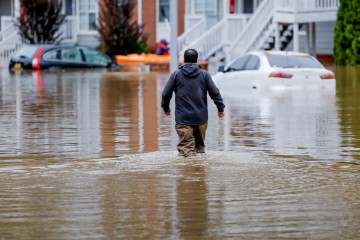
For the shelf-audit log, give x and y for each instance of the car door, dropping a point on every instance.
(251, 71)
(71, 57)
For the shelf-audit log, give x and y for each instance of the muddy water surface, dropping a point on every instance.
(89, 155)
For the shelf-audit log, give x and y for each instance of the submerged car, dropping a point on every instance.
(273, 70)
(59, 57)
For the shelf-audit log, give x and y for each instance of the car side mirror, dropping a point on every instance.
(221, 69)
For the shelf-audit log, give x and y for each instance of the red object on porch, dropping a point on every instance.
(232, 7)
(22, 12)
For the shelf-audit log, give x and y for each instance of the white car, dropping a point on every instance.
(273, 70)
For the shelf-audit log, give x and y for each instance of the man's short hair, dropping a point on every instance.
(190, 56)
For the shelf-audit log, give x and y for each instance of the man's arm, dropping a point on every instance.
(215, 95)
(167, 94)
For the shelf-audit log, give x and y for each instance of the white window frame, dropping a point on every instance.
(158, 13)
(80, 11)
(206, 9)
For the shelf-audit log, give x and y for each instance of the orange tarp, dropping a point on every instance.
(141, 59)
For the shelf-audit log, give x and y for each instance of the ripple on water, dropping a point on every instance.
(228, 194)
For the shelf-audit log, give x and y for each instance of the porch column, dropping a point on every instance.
(173, 35)
(277, 36)
(307, 25)
(192, 9)
(225, 8)
(313, 39)
(296, 37)
(16, 9)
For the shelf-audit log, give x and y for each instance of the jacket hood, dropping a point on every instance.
(190, 70)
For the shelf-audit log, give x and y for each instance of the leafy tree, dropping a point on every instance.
(347, 33)
(119, 35)
(41, 21)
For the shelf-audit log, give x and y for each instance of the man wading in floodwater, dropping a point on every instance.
(191, 85)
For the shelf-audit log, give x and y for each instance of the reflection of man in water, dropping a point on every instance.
(162, 48)
(192, 202)
(191, 85)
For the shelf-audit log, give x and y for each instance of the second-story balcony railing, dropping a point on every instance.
(296, 6)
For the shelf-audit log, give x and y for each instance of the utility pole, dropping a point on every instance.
(173, 35)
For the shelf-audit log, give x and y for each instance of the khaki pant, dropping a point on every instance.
(192, 138)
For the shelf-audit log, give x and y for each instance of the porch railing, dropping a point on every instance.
(296, 6)
(253, 29)
(219, 36)
(7, 32)
(10, 41)
(195, 32)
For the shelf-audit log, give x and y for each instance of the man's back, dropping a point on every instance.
(191, 85)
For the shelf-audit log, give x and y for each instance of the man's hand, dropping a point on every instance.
(168, 113)
(221, 114)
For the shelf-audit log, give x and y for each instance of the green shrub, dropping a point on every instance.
(347, 33)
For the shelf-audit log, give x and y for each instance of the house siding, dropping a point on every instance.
(324, 39)
(88, 40)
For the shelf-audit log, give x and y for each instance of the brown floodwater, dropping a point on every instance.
(89, 155)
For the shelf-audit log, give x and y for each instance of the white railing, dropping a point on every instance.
(264, 36)
(195, 32)
(10, 44)
(10, 40)
(191, 20)
(256, 25)
(7, 31)
(296, 6)
(217, 37)
(6, 21)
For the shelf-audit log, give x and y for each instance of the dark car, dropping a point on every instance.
(60, 57)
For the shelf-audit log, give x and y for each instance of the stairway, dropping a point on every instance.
(10, 41)
(286, 36)
(218, 37)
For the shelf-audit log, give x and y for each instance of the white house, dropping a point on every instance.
(220, 29)
(231, 27)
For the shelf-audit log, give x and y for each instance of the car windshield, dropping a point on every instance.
(293, 61)
(26, 52)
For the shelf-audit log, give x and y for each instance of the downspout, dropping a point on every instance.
(139, 13)
(173, 36)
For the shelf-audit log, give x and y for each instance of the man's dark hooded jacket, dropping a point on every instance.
(191, 85)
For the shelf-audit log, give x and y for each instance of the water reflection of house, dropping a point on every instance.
(129, 113)
(217, 28)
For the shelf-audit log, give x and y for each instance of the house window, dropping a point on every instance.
(208, 7)
(164, 9)
(88, 10)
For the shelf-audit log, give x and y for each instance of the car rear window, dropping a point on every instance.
(26, 52)
(293, 61)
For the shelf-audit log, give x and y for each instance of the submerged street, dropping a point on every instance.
(90, 155)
